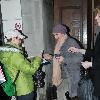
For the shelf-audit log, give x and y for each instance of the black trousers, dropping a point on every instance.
(26, 97)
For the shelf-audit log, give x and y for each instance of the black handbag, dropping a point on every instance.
(51, 92)
(86, 88)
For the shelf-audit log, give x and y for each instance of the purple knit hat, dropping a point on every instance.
(60, 29)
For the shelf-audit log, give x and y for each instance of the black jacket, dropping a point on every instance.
(95, 53)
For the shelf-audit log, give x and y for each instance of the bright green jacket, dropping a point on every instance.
(14, 60)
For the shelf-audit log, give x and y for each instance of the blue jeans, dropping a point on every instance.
(26, 97)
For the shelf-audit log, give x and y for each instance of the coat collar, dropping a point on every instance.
(9, 49)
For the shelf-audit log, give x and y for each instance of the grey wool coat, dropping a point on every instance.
(70, 67)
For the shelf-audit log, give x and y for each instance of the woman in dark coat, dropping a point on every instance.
(95, 54)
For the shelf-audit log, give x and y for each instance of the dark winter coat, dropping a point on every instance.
(96, 66)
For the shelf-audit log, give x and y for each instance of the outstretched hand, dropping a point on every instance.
(86, 64)
(47, 56)
(59, 58)
(73, 49)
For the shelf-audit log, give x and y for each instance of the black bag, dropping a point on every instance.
(86, 88)
(51, 92)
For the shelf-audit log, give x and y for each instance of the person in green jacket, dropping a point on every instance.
(11, 55)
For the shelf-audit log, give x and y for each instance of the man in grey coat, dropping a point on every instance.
(66, 65)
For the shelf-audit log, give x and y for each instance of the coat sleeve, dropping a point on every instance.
(96, 54)
(89, 53)
(24, 65)
(72, 57)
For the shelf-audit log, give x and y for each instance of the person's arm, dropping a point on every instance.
(87, 52)
(72, 57)
(24, 65)
(74, 49)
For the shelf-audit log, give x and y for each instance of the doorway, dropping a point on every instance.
(73, 14)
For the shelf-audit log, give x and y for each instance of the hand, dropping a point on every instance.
(59, 58)
(73, 49)
(86, 64)
(47, 56)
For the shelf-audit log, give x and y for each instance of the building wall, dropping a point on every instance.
(33, 25)
(11, 14)
(1, 28)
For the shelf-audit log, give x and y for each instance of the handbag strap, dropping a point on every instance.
(16, 76)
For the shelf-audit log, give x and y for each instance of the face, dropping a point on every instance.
(58, 36)
(97, 18)
(17, 41)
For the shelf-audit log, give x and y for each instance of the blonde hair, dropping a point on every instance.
(97, 10)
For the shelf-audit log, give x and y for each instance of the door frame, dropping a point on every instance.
(81, 18)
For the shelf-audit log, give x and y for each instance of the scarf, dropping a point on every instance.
(56, 77)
